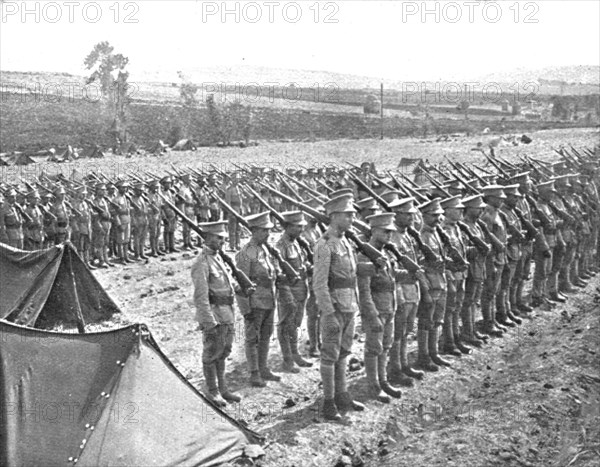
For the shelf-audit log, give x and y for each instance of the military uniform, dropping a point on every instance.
(83, 219)
(259, 309)
(291, 298)
(188, 207)
(233, 197)
(11, 222)
(155, 215)
(169, 217)
(122, 220)
(62, 215)
(213, 298)
(34, 226)
(139, 221)
(101, 225)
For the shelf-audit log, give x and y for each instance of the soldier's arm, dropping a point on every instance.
(368, 310)
(283, 286)
(321, 278)
(2, 223)
(204, 314)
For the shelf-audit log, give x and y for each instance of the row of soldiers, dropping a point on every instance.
(392, 255)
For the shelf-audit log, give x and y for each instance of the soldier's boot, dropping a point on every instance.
(88, 260)
(375, 390)
(511, 309)
(342, 397)
(520, 301)
(433, 348)
(423, 360)
(406, 368)
(394, 371)
(252, 361)
(293, 333)
(288, 365)
(501, 317)
(313, 337)
(213, 394)
(468, 333)
(479, 336)
(228, 395)
(489, 324)
(172, 248)
(458, 338)
(448, 346)
(330, 410)
(263, 355)
(383, 379)
(126, 255)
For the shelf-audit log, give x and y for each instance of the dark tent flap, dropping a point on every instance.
(38, 288)
(110, 398)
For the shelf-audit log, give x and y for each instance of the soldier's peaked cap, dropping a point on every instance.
(366, 203)
(341, 203)
(475, 201)
(122, 183)
(519, 178)
(261, 220)
(382, 221)
(294, 217)
(60, 191)
(494, 190)
(166, 179)
(562, 180)
(546, 186)
(34, 194)
(391, 195)
(214, 228)
(340, 192)
(512, 190)
(100, 186)
(11, 192)
(406, 205)
(432, 207)
(454, 202)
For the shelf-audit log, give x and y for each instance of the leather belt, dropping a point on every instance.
(220, 300)
(342, 283)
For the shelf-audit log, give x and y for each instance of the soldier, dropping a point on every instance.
(494, 197)
(476, 255)
(214, 206)
(139, 220)
(83, 219)
(433, 303)
(233, 197)
(311, 234)
(62, 215)
(541, 256)
(213, 298)
(367, 207)
(504, 303)
(291, 301)
(34, 224)
(111, 193)
(155, 214)
(101, 225)
(587, 236)
(455, 276)
(187, 204)
(407, 290)
(334, 283)
(378, 304)
(258, 310)
(169, 217)
(122, 217)
(523, 268)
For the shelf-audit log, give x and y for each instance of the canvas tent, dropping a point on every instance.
(110, 398)
(48, 287)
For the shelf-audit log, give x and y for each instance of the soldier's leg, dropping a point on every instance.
(211, 341)
(488, 295)
(424, 326)
(502, 297)
(228, 395)
(142, 239)
(457, 317)
(447, 344)
(373, 348)
(266, 331)
(252, 322)
(552, 281)
(398, 370)
(331, 332)
(232, 224)
(342, 397)
(388, 321)
(564, 276)
(439, 297)
(286, 316)
(294, 335)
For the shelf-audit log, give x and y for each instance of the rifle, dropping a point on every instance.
(544, 219)
(496, 244)
(47, 212)
(300, 184)
(399, 186)
(370, 191)
(24, 215)
(482, 246)
(405, 260)
(70, 206)
(429, 254)
(532, 231)
(452, 250)
(287, 268)
(412, 191)
(367, 249)
(511, 228)
(242, 279)
(438, 185)
(434, 167)
(302, 242)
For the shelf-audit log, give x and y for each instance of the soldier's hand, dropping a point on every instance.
(250, 290)
(381, 262)
(376, 324)
(209, 328)
(547, 254)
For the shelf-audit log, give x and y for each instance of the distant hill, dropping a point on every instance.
(552, 75)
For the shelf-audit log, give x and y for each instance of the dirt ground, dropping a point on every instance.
(529, 399)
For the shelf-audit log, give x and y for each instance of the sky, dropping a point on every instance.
(395, 40)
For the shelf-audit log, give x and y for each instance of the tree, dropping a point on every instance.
(109, 72)
(187, 93)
